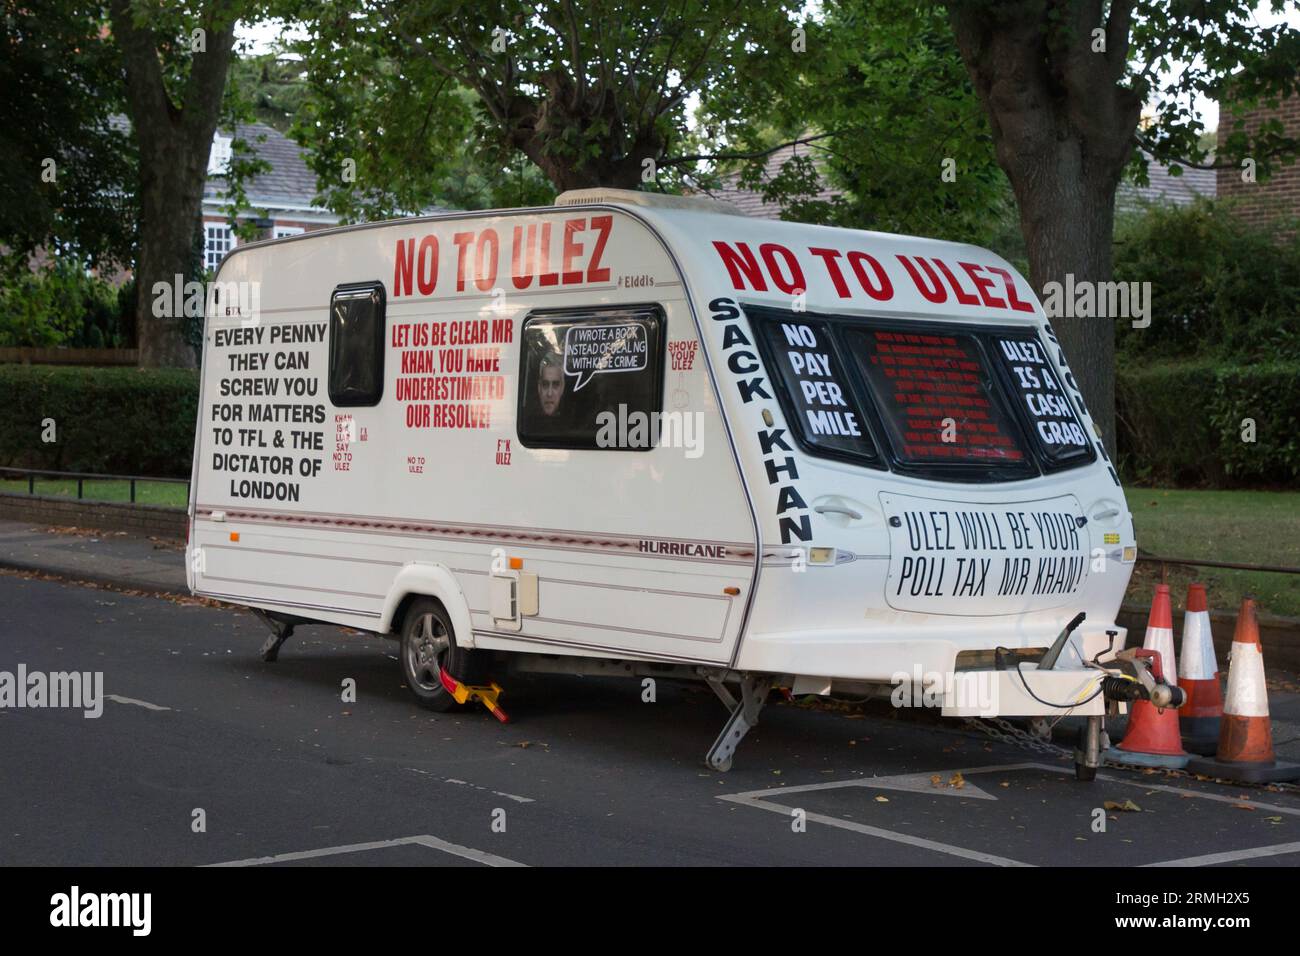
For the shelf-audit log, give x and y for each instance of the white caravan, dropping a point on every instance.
(644, 435)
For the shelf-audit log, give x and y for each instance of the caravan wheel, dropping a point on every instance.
(429, 642)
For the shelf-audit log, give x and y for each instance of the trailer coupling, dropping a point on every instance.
(1140, 677)
(1141, 681)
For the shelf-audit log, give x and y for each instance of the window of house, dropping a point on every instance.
(592, 378)
(219, 155)
(218, 240)
(279, 232)
(356, 372)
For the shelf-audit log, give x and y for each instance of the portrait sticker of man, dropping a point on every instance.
(550, 384)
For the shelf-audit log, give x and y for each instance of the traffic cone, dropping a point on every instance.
(1245, 751)
(1198, 718)
(1152, 738)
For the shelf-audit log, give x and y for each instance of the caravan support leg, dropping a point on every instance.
(1087, 758)
(744, 715)
(280, 632)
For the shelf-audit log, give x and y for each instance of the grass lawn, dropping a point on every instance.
(146, 492)
(1252, 527)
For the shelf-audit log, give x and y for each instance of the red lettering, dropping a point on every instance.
(572, 249)
(403, 267)
(741, 260)
(1016, 302)
(964, 297)
(427, 277)
(833, 270)
(880, 290)
(462, 241)
(485, 272)
(796, 284)
(933, 291)
(603, 226)
(983, 284)
(548, 277)
(523, 278)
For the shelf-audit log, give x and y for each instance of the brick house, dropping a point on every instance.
(1264, 202)
(280, 201)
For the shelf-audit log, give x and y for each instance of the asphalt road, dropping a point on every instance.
(286, 773)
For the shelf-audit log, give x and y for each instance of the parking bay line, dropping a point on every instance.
(754, 798)
(137, 703)
(424, 839)
(757, 798)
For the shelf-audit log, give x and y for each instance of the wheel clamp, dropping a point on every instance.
(461, 693)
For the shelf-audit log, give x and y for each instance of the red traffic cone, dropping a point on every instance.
(1152, 738)
(1198, 718)
(1246, 735)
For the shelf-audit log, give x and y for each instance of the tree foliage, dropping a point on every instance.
(588, 94)
(69, 168)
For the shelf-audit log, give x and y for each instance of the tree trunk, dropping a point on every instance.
(1063, 128)
(1067, 216)
(174, 143)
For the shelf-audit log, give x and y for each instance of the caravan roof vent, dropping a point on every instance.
(633, 197)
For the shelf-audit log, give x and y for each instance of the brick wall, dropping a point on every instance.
(1265, 201)
(144, 520)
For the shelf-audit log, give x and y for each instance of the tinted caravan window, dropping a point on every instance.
(1054, 427)
(818, 401)
(591, 379)
(357, 344)
(937, 400)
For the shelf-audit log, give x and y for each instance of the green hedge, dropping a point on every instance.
(118, 421)
(1179, 424)
(1182, 424)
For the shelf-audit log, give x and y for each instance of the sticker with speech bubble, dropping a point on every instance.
(590, 350)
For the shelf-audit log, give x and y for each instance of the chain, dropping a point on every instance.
(1008, 733)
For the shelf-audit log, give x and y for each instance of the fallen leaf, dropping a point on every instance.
(957, 781)
(882, 799)
(1128, 806)
(1243, 806)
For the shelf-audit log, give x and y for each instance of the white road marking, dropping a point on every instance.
(1229, 856)
(137, 703)
(1216, 797)
(473, 786)
(878, 832)
(432, 842)
(920, 783)
(757, 798)
(888, 783)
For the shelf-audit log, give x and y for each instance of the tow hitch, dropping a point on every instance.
(1140, 677)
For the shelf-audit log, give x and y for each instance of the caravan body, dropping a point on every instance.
(644, 429)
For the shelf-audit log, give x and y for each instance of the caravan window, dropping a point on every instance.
(937, 401)
(591, 378)
(357, 344)
(1053, 424)
(818, 401)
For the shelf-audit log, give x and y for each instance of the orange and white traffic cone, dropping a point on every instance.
(1152, 738)
(1246, 734)
(1198, 718)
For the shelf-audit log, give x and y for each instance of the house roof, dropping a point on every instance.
(750, 202)
(289, 181)
(1180, 190)
(1164, 187)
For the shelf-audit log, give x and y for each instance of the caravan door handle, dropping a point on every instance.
(838, 510)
